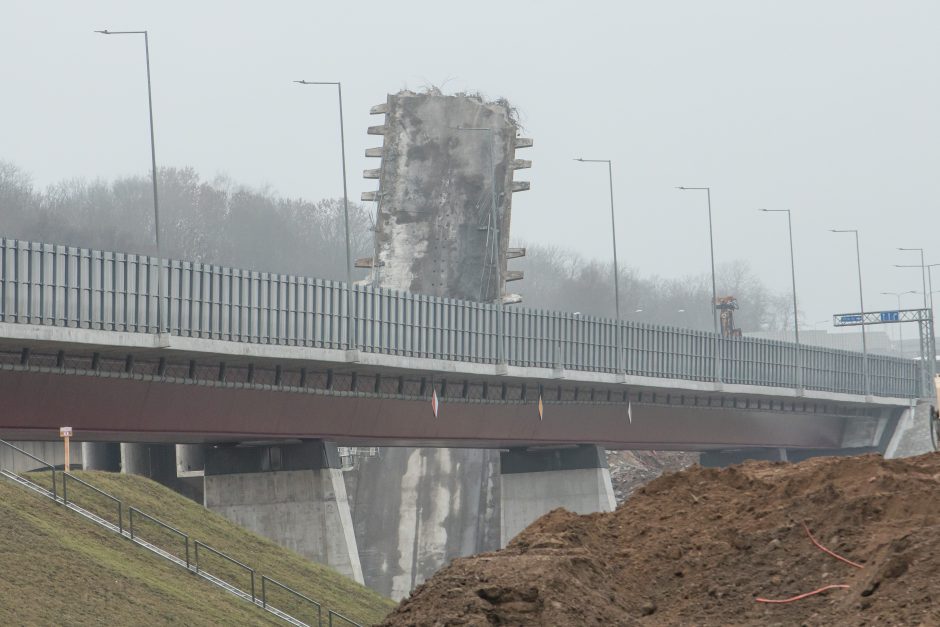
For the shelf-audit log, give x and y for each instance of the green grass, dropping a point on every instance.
(59, 568)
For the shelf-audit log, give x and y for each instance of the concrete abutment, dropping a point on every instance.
(535, 481)
(293, 494)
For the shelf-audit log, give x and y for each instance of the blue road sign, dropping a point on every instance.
(890, 316)
(849, 319)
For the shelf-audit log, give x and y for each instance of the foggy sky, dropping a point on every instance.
(828, 109)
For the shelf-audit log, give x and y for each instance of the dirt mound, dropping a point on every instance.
(700, 546)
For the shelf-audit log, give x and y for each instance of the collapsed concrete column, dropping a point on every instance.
(293, 494)
(101, 456)
(415, 509)
(535, 481)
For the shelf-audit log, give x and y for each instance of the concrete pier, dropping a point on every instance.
(535, 481)
(101, 456)
(293, 494)
(415, 509)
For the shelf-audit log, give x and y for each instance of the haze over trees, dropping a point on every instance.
(223, 222)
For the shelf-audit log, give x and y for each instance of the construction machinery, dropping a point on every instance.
(726, 306)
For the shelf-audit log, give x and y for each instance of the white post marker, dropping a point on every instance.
(65, 433)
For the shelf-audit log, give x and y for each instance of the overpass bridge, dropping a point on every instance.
(274, 370)
(231, 354)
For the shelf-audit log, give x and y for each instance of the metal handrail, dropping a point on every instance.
(55, 496)
(132, 534)
(264, 596)
(330, 614)
(120, 505)
(250, 570)
(185, 536)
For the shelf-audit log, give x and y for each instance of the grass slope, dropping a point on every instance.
(59, 568)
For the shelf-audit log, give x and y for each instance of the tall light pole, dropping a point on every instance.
(613, 237)
(351, 330)
(861, 302)
(153, 166)
(796, 321)
(711, 249)
(494, 218)
(900, 326)
(923, 271)
(929, 268)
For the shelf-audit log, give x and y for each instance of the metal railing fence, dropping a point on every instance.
(265, 580)
(42, 464)
(67, 476)
(339, 620)
(173, 530)
(47, 284)
(231, 560)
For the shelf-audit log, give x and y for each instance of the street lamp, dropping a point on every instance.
(351, 330)
(153, 166)
(613, 232)
(929, 268)
(711, 249)
(861, 302)
(796, 323)
(900, 326)
(613, 237)
(923, 271)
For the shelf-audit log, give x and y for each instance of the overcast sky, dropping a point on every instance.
(829, 109)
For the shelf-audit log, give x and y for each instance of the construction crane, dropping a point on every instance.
(726, 306)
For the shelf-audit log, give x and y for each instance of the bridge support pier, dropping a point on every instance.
(101, 456)
(293, 494)
(536, 481)
(158, 462)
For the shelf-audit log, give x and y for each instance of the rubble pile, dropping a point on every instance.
(631, 469)
(717, 547)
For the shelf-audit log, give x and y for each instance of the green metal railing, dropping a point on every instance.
(171, 529)
(134, 518)
(66, 477)
(265, 581)
(247, 568)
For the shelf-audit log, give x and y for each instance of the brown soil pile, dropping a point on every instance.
(699, 546)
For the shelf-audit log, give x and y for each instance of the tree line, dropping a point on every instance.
(223, 222)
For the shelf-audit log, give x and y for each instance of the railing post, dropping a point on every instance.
(186, 541)
(264, 593)
(55, 496)
(130, 515)
(252, 572)
(196, 545)
(65, 488)
(120, 518)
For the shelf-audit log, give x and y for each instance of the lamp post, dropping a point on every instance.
(929, 268)
(351, 330)
(900, 326)
(711, 248)
(153, 169)
(613, 237)
(796, 322)
(861, 302)
(923, 271)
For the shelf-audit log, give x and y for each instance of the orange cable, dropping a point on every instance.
(802, 596)
(824, 549)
